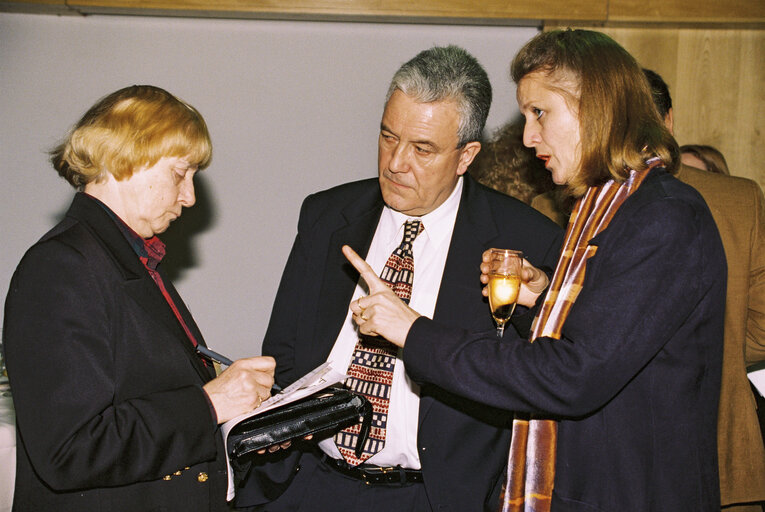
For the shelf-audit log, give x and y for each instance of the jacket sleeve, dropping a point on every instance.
(644, 281)
(66, 369)
(755, 328)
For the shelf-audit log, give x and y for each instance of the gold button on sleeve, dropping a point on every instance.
(202, 477)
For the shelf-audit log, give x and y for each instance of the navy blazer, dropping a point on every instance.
(106, 385)
(635, 378)
(462, 444)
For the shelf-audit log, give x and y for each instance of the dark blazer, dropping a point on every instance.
(634, 379)
(107, 390)
(462, 444)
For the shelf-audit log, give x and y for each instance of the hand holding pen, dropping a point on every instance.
(242, 387)
(225, 361)
(215, 357)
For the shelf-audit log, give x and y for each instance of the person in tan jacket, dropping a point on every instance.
(738, 207)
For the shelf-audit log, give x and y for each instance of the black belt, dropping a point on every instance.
(374, 475)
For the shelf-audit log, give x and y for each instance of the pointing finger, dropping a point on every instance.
(373, 281)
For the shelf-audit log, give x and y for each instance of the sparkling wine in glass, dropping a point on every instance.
(504, 285)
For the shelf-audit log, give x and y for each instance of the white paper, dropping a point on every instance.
(316, 380)
(758, 379)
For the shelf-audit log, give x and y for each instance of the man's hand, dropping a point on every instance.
(381, 312)
(242, 387)
(533, 281)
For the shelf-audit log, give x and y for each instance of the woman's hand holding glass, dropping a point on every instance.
(533, 280)
(504, 284)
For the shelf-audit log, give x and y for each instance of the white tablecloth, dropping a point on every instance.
(7, 446)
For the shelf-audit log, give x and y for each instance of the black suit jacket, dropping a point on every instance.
(462, 445)
(105, 383)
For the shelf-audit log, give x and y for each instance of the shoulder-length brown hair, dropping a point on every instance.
(130, 129)
(618, 122)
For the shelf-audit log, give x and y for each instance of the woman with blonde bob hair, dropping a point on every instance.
(129, 129)
(115, 408)
(616, 396)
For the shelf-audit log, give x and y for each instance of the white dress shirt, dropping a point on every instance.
(430, 249)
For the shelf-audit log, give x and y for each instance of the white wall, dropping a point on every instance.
(293, 107)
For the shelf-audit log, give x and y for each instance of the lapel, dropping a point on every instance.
(357, 228)
(474, 230)
(207, 372)
(137, 282)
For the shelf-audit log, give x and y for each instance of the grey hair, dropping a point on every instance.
(448, 73)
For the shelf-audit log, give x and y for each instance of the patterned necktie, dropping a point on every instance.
(371, 369)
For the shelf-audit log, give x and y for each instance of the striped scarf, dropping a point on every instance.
(531, 461)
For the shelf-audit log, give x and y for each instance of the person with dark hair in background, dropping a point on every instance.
(704, 157)
(623, 374)
(738, 207)
(437, 451)
(506, 165)
(115, 409)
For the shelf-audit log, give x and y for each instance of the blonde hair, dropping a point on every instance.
(130, 129)
(619, 124)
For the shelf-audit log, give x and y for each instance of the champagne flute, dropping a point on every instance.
(504, 285)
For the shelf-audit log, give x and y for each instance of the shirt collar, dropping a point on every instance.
(149, 251)
(438, 223)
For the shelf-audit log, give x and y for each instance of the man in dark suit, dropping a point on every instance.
(115, 410)
(441, 452)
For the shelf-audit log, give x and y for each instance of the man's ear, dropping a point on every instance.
(467, 155)
(669, 121)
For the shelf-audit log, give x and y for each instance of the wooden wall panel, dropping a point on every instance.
(718, 11)
(36, 6)
(520, 12)
(716, 78)
(58, 3)
(749, 13)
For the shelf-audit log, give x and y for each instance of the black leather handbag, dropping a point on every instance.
(326, 411)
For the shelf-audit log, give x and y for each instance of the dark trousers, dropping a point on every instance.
(319, 488)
